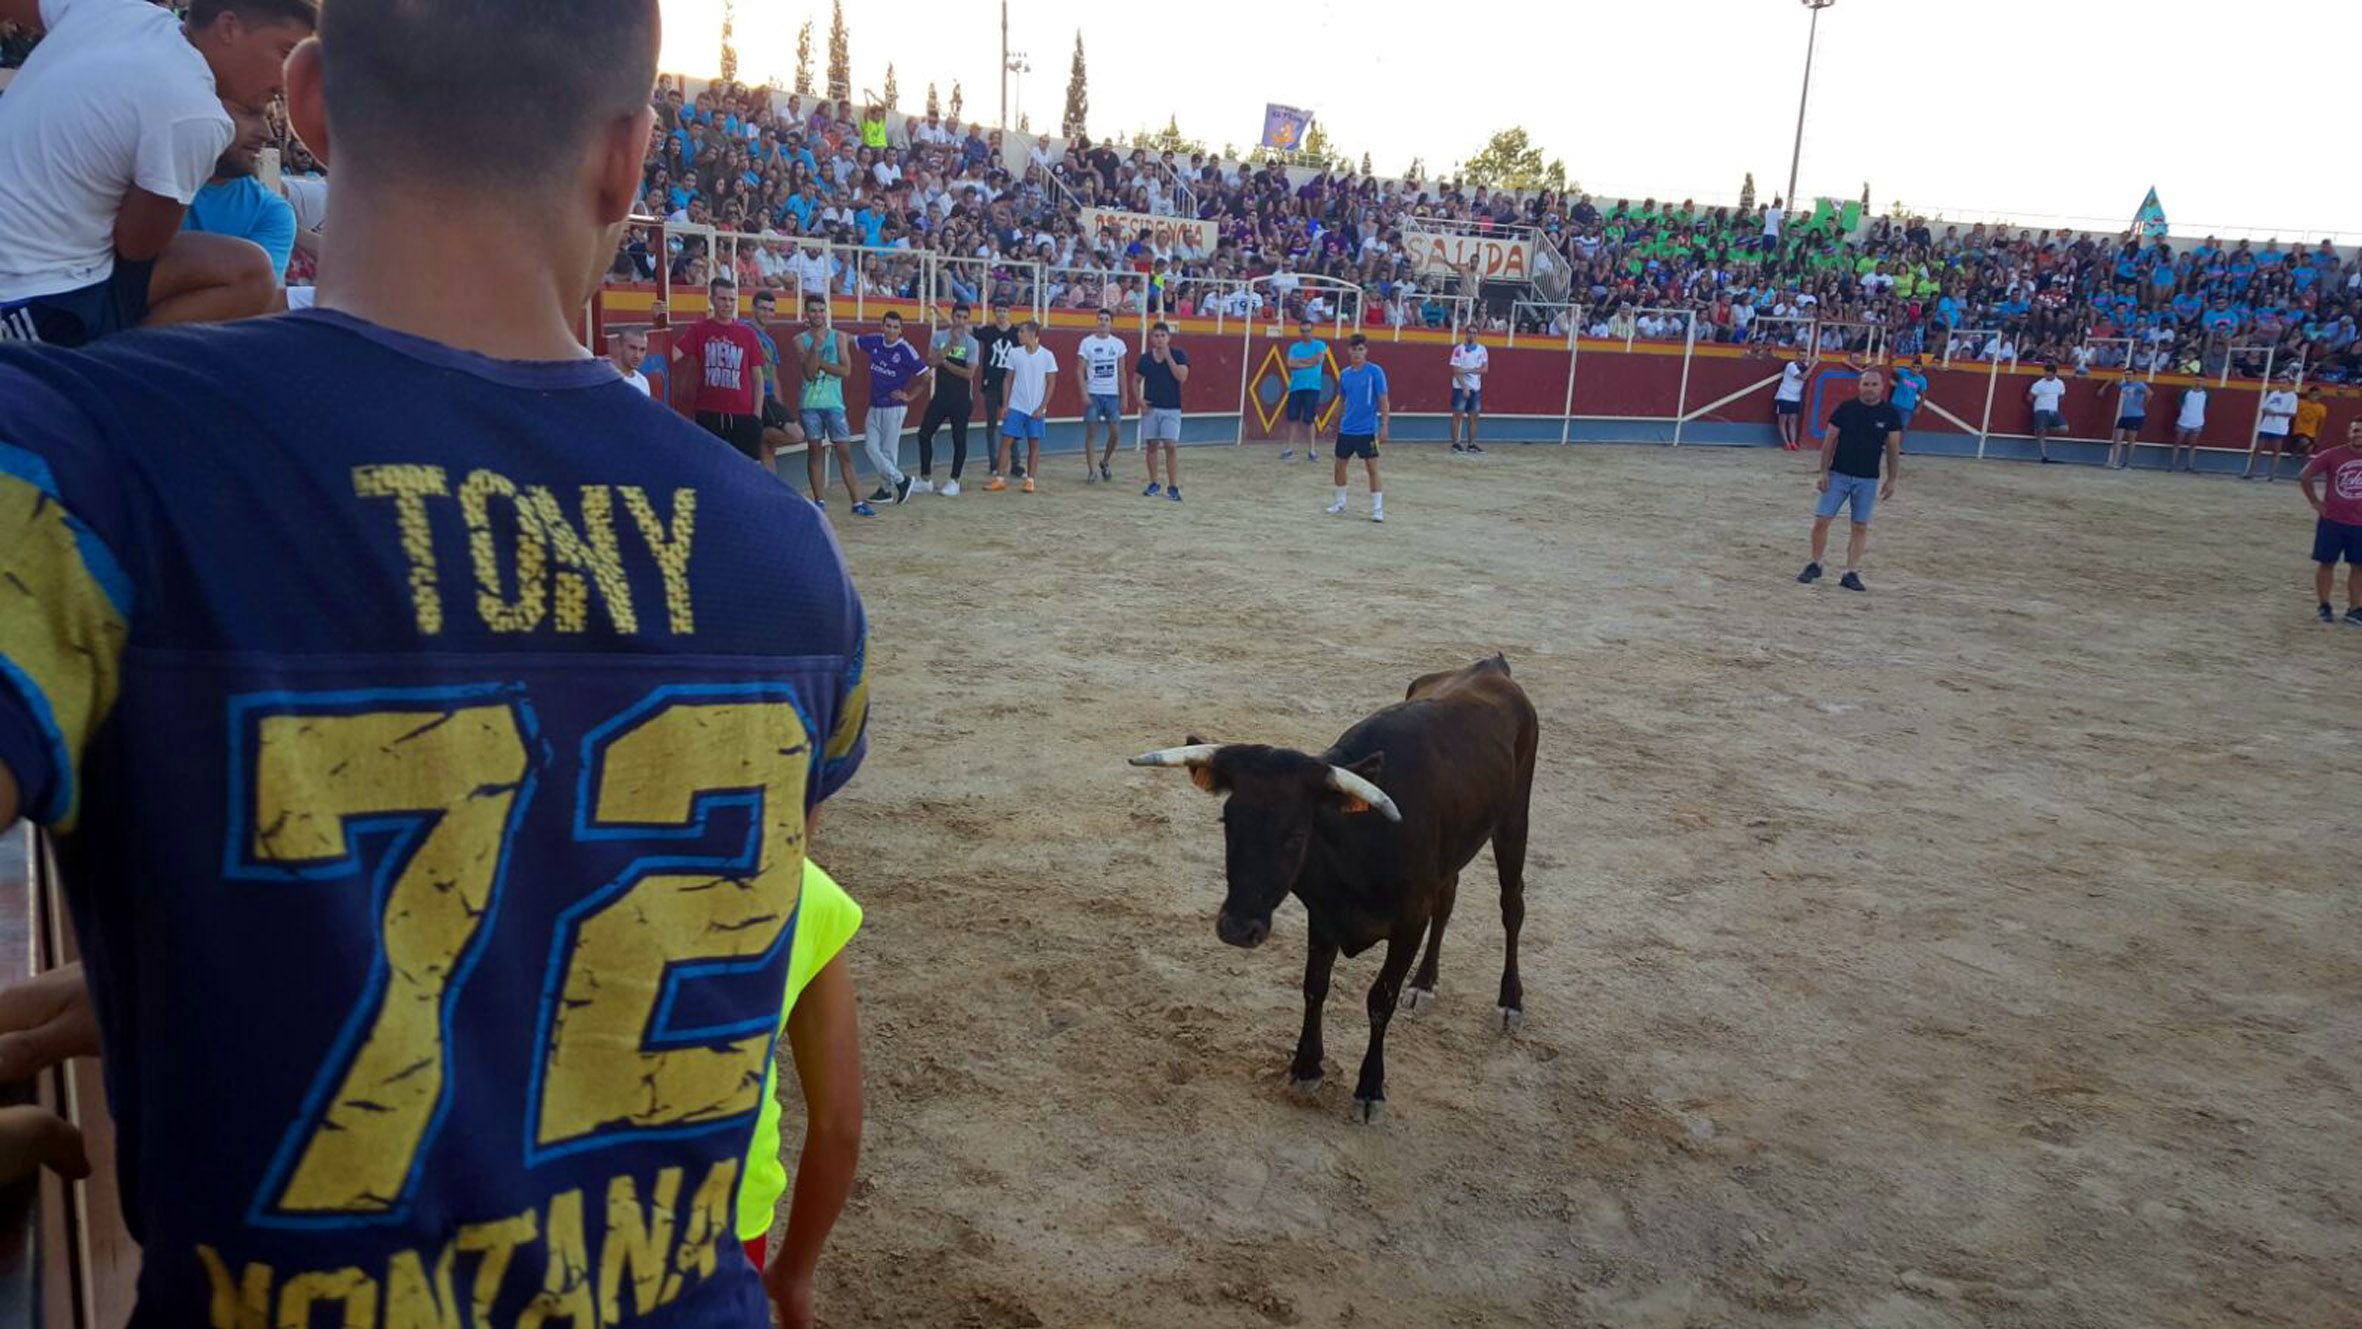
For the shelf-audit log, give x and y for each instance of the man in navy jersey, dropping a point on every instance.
(431, 749)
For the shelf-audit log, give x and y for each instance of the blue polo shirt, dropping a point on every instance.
(1360, 387)
(247, 209)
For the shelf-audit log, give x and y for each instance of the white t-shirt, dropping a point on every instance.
(638, 380)
(1772, 217)
(2193, 410)
(2279, 411)
(1103, 365)
(2048, 393)
(1791, 383)
(1466, 358)
(114, 97)
(1029, 378)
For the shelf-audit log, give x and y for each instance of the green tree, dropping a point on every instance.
(934, 106)
(1078, 95)
(1171, 139)
(804, 59)
(893, 94)
(957, 100)
(1365, 165)
(840, 56)
(729, 68)
(1318, 151)
(1511, 161)
(1747, 194)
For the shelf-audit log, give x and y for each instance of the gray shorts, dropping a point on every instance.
(1158, 425)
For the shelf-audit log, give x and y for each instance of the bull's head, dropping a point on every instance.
(1274, 795)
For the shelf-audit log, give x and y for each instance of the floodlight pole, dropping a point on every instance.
(1811, 43)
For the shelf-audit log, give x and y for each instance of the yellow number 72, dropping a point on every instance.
(450, 773)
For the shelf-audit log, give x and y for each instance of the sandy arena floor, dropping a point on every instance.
(1981, 951)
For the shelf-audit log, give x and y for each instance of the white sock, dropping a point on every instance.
(1341, 494)
(1377, 501)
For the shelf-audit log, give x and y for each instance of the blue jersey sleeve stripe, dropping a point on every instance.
(97, 559)
(61, 633)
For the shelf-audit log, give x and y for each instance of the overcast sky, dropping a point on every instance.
(2030, 109)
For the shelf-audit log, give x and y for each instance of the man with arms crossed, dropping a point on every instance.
(106, 135)
(1305, 358)
(1033, 372)
(826, 360)
(1862, 433)
(1362, 429)
(1156, 389)
(1470, 363)
(1102, 355)
(452, 817)
(2338, 531)
(2049, 395)
(996, 341)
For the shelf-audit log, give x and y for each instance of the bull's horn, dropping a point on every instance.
(1353, 786)
(1198, 754)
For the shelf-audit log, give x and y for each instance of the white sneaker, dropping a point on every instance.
(1377, 516)
(922, 486)
(1336, 507)
(950, 489)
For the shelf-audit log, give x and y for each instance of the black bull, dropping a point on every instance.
(1372, 835)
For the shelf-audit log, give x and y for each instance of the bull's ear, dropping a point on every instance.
(1204, 778)
(1367, 768)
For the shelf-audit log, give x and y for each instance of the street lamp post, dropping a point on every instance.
(1811, 43)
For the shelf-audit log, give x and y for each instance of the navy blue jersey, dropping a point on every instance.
(430, 741)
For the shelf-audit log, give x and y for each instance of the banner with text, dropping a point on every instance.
(1495, 258)
(1183, 236)
(1284, 127)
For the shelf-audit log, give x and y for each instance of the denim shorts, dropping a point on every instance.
(1469, 401)
(1103, 407)
(828, 424)
(1859, 490)
(1017, 424)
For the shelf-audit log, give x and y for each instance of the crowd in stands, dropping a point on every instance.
(790, 168)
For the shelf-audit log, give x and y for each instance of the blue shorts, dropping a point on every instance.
(1907, 412)
(2333, 540)
(1859, 490)
(829, 424)
(1102, 407)
(1304, 405)
(81, 316)
(1017, 424)
(1468, 400)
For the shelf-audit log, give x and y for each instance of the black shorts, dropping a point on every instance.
(1789, 407)
(743, 432)
(82, 316)
(2130, 424)
(1350, 446)
(1304, 406)
(2300, 444)
(994, 394)
(775, 415)
(2333, 540)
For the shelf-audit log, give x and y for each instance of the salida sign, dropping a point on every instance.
(1495, 258)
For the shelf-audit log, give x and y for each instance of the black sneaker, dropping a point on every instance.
(2326, 614)
(1474, 450)
(1459, 451)
(1852, 581)
(2354, 617)
(884, 495)
(902, 490)
(1105, 476)
(1811, 574)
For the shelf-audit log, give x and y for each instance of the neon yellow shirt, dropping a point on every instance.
(826, 920)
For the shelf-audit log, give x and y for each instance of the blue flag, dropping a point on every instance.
(1284, 127)
(2150, 220)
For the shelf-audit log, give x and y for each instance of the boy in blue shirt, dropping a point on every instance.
(1306, 356)
(1362, 430)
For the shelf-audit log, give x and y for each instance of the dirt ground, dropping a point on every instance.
(1977, 952)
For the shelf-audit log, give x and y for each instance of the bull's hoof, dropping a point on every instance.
(1366, 1111)
(1305, 1086)
(1414, 998)
(1511, 1018)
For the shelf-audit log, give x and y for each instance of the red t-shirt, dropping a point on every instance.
(729, 373)
(2341, 466)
